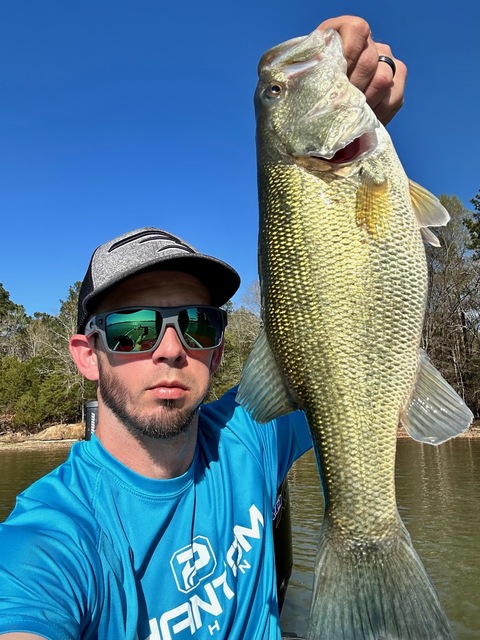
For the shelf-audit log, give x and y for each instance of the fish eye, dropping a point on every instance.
(274, 90)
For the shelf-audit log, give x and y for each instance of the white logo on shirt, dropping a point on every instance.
(193, 563)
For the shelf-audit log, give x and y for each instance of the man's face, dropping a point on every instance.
(156, 394)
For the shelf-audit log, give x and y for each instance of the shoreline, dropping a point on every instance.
(27, 444)
(57, 436)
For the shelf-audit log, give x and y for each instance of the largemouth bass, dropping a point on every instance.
(344, 282)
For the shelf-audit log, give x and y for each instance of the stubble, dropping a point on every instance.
(170, 423)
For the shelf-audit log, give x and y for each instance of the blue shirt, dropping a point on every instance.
(95, 550)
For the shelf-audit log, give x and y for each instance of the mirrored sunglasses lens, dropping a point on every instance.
(201, 328)
(132, 331)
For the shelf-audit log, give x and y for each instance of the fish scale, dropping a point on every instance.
(343, 278)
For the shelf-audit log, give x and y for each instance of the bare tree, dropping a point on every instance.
(451, 330)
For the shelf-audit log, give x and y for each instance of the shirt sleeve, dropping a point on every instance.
(277, 444)
(293, 440)
(47, 577)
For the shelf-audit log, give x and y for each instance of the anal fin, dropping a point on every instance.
(435, 412)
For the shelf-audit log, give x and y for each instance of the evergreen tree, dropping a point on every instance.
(6, 304)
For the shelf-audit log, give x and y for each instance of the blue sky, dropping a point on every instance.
(118, 114)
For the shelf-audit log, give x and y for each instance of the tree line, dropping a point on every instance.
(40, 385)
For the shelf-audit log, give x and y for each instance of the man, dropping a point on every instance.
(160, 526)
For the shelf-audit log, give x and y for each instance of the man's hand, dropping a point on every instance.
(384, 92)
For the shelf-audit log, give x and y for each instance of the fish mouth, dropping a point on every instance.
(351, 152)
(348, 153)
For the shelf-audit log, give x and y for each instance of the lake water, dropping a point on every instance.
(20, 467)
(438, 490)
(438, 495)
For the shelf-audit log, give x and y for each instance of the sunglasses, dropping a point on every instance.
(140, 330)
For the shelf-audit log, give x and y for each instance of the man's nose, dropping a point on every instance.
(170, 347)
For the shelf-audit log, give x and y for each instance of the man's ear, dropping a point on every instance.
(216, 358)
(84, 356)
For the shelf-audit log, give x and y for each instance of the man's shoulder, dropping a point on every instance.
(225, 412)
(227, 401)
(225, 421)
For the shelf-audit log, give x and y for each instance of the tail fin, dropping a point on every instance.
(373, 592)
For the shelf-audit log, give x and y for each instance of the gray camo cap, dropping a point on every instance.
(147, 249)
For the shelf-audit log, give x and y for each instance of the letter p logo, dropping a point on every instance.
(193, 563)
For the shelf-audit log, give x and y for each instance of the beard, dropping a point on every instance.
(171, 423)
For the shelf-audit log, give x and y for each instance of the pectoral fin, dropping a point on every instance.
(429, 212)
(262, 391)
(373, 206)
(435, 412)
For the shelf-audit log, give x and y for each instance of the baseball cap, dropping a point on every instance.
(146, 249)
